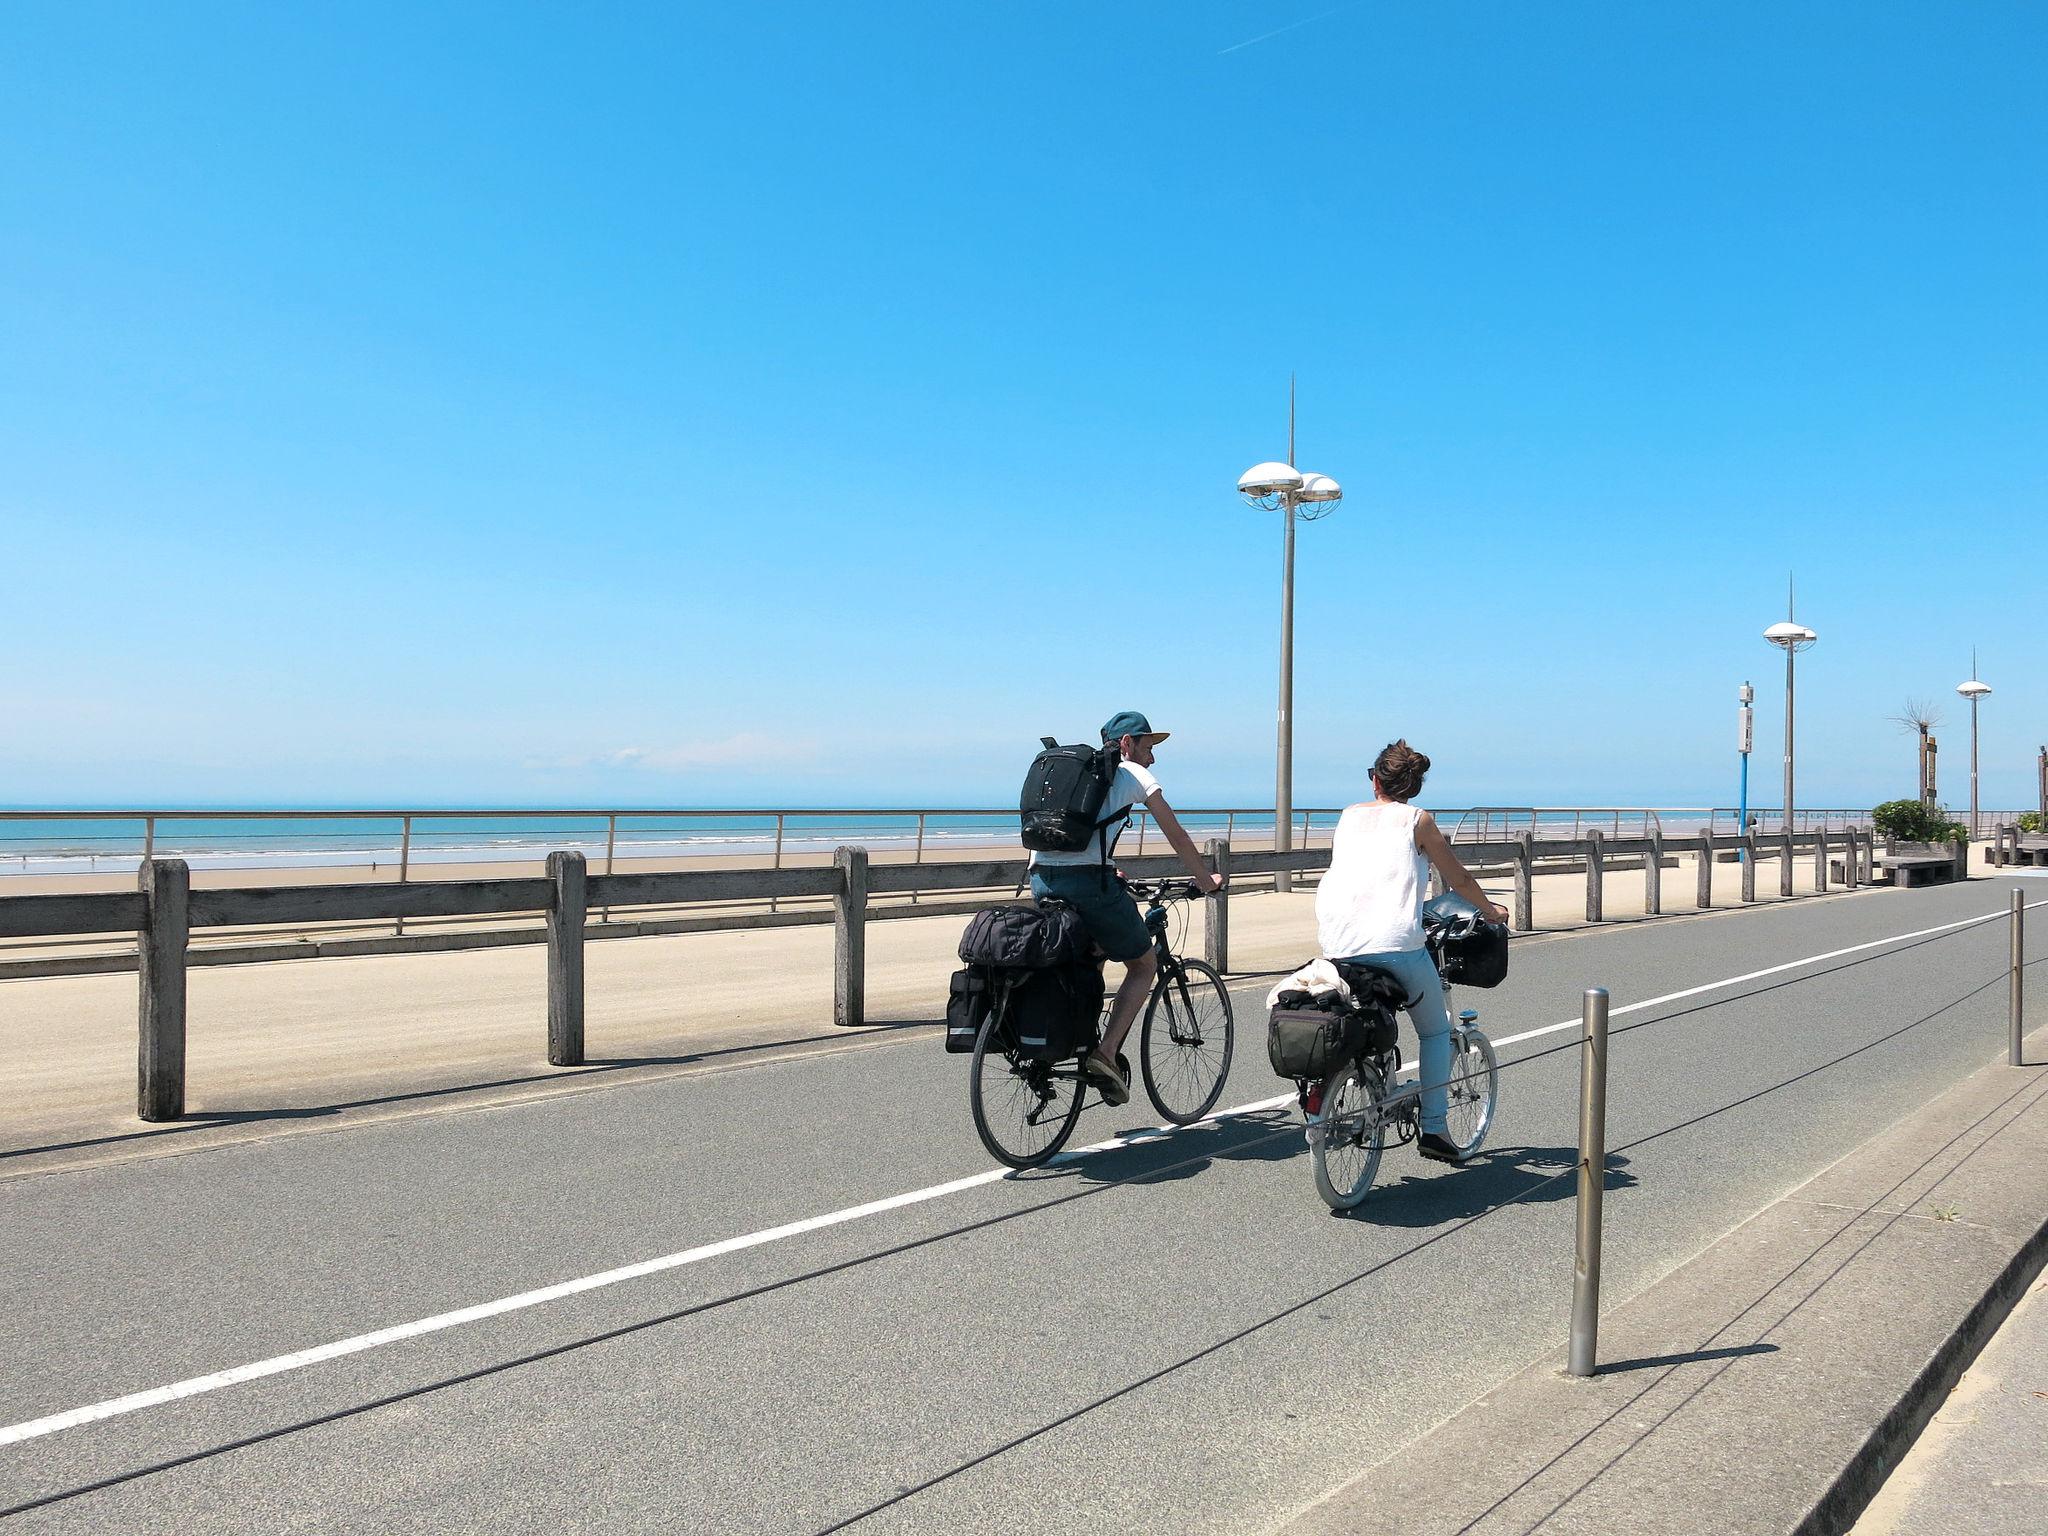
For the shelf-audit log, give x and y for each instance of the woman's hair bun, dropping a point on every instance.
(1399, 769)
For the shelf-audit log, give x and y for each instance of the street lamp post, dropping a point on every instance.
(1284, 489)
(1973, 691)
(1794, 638)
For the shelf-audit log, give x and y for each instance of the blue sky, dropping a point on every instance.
(816, 403)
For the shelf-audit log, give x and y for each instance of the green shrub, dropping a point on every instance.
(1911, 822)
(2030, 821)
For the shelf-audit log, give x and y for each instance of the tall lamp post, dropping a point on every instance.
(1284, 489)
(1973, 691)
(1793, 638)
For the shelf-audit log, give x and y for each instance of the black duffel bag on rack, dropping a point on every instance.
(1024, 937)
(1311, 1036)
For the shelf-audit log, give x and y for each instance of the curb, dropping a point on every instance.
(1879, 1457)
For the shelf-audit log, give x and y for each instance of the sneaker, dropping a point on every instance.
(1114, 1085)
(1438, 1148)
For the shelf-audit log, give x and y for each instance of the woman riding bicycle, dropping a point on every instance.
(1369, 912)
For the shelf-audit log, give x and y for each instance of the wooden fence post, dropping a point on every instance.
(1748, 865)
(850, 938)
(1820, 860)
(1596, 875)
(1785, 857)
(1705, 897)
(160, 1020)
(1525, 880)
(1216, 909)
(567, 909)
(1653, 874)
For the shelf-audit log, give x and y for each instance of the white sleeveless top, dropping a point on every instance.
(1371, 900)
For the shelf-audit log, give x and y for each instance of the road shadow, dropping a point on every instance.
(1497, 1176)
(596, 1066)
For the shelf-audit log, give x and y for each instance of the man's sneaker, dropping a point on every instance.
(1115, 1086)
(1438, 1149)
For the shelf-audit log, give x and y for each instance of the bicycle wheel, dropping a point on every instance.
(1188, 1036)
(1346, 1153)
(1024, 1111)
(1474, 1084)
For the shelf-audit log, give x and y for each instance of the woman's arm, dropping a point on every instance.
(1430, 839)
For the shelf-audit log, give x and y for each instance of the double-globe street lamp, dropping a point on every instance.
(1284, 489)
(1793, 638)
(1973, 691)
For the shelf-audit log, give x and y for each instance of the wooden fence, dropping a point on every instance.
(165, 910)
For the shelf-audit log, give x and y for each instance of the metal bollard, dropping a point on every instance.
(1585, 1339)
(2016, 1001)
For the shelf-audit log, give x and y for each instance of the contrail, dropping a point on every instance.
(1264, 36)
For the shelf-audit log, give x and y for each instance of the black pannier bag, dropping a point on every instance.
(1469, 951)
(967, 1002)
(1024, 938)
(1060, 806)
(1053, 1012)
(1311, 1037)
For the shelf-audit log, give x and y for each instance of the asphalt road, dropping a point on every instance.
(1173, 1335)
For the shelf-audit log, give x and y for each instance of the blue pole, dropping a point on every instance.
(1742, 814)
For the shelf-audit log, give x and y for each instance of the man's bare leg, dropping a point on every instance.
(1130, 997)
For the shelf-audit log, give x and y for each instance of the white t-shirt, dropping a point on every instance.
(1370, 902)
(1133, 785)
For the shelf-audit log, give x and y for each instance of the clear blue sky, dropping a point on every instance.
(816, 403)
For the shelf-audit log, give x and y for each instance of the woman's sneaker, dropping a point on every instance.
(1114, 1085)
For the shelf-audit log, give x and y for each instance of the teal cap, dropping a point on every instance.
(1130, 723)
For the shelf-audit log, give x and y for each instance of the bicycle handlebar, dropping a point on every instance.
(1164, 890)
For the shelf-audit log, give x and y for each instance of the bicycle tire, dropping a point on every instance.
(1012, 1085)
(1196, 1004)
(1345, 1148)
(1473, 1091)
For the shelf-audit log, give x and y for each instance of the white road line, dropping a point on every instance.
(277, 1365)
(192, 1387)
(1769, 970)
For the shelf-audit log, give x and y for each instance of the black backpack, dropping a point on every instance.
(1061, 803)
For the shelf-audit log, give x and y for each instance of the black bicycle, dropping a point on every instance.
(1025, 1108)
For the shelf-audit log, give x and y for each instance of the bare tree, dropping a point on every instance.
(1920, 717)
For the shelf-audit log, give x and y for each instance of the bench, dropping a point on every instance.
(1911, 864)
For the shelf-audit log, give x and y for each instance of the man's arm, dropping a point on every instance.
(1430, 839)
(1177, 835)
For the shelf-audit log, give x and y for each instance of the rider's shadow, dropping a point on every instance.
(1493, 1178)
(1188, 1152)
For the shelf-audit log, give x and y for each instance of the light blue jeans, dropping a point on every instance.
(1417, 973)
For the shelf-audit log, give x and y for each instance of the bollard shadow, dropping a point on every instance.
(595, 1066)
(1496, 1177)
(1690, 1357)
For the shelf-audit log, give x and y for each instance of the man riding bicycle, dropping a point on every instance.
(1081, 880)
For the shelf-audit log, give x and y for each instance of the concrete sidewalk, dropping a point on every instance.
(1770, 1383)
(1981, 1467)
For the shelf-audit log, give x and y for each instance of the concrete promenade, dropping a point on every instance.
(782, 1290)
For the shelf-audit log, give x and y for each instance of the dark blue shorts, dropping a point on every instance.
(1111, 914)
